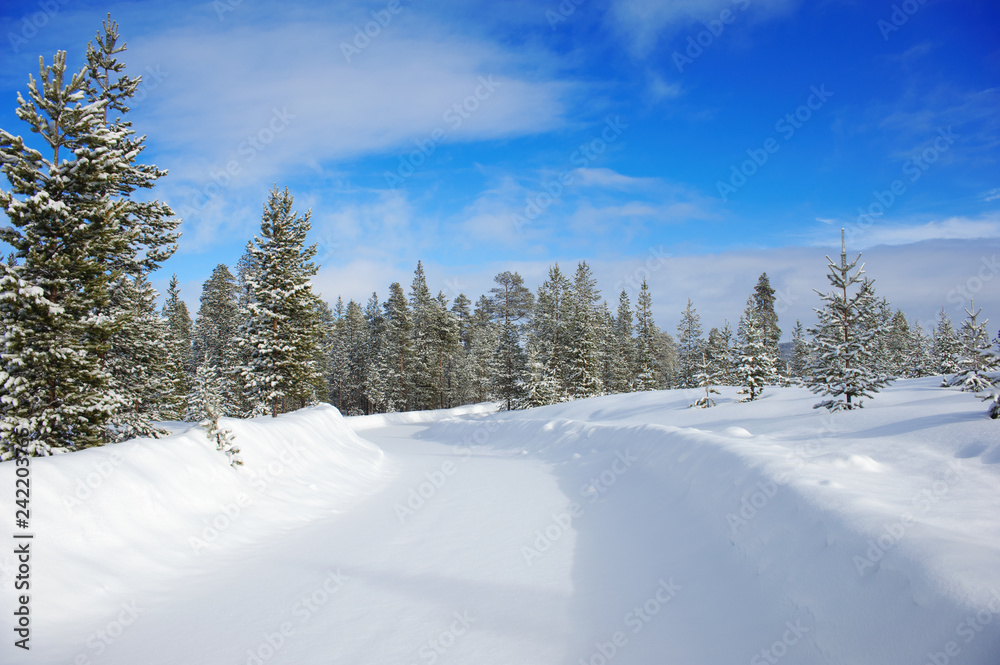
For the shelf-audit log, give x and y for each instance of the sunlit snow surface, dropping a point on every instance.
(623, 529)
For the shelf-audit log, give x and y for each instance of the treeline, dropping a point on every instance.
(415, 350)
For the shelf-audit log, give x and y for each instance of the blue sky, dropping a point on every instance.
(697, 142)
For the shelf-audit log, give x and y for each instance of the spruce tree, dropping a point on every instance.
(921, 359)
(215, 334)
(799, 363)
(399, 350)
(485, 338)
(977, 361)
(180, 367)
(139, 364)
(446, 343)
(511, 302)
(376, 385)
(645, 341)
(55, 289)
(843, 366)
(689, 346)
(621, 349)
(947, 346)
(585, 335)
(549, 331)
(707, 377)
(763, 301)
(282, 329)
(898, 345)
(424, 367)
(756, 364)
(720, 353)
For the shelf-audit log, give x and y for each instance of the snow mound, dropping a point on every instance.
(107, 520)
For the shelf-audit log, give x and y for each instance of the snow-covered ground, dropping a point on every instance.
(623, 529)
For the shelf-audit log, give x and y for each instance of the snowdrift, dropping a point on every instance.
(146, 514)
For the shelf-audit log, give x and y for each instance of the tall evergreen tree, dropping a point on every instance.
(947, 346)
(720, 353)
(511, 303)
(485, 338)
(843, 366)
(549, 331)
(763, 301)
(55, 290)
(139, 363)
(399, 349)
(282, 331)
(921, 359)
(585, 335)
(424, 357)
(180, 367)
(799, 363)
(621, 350)
(689, 346)
(898, 345)
(446, 344)
(756, 365)
(645, 341)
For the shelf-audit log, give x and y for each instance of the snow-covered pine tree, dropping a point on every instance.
(719, 352)
(446, 344)
(484, 338)
(843, 367)
(898, 345)
(511, 302)
(763, 299)
(548, 334)
(621, 349)
(424, 367)
(921, 359)
(977, 360)
(645, 341)
(665, 360)
(215, 333)
(282, 327)
(947, 346)
(689, 346)
(756, 365)
(707, 377)
(144, 232)
(541, 386)
(354, 340)
(462, 370)
(206, 401)
(179, 344)
(585, 335)
(138, 361)
(399, 350)
(376, 386)
(799, 363)
(326, 337)
(54, 391)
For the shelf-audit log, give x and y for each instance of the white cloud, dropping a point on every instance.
(952, 228)
(644, 22)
